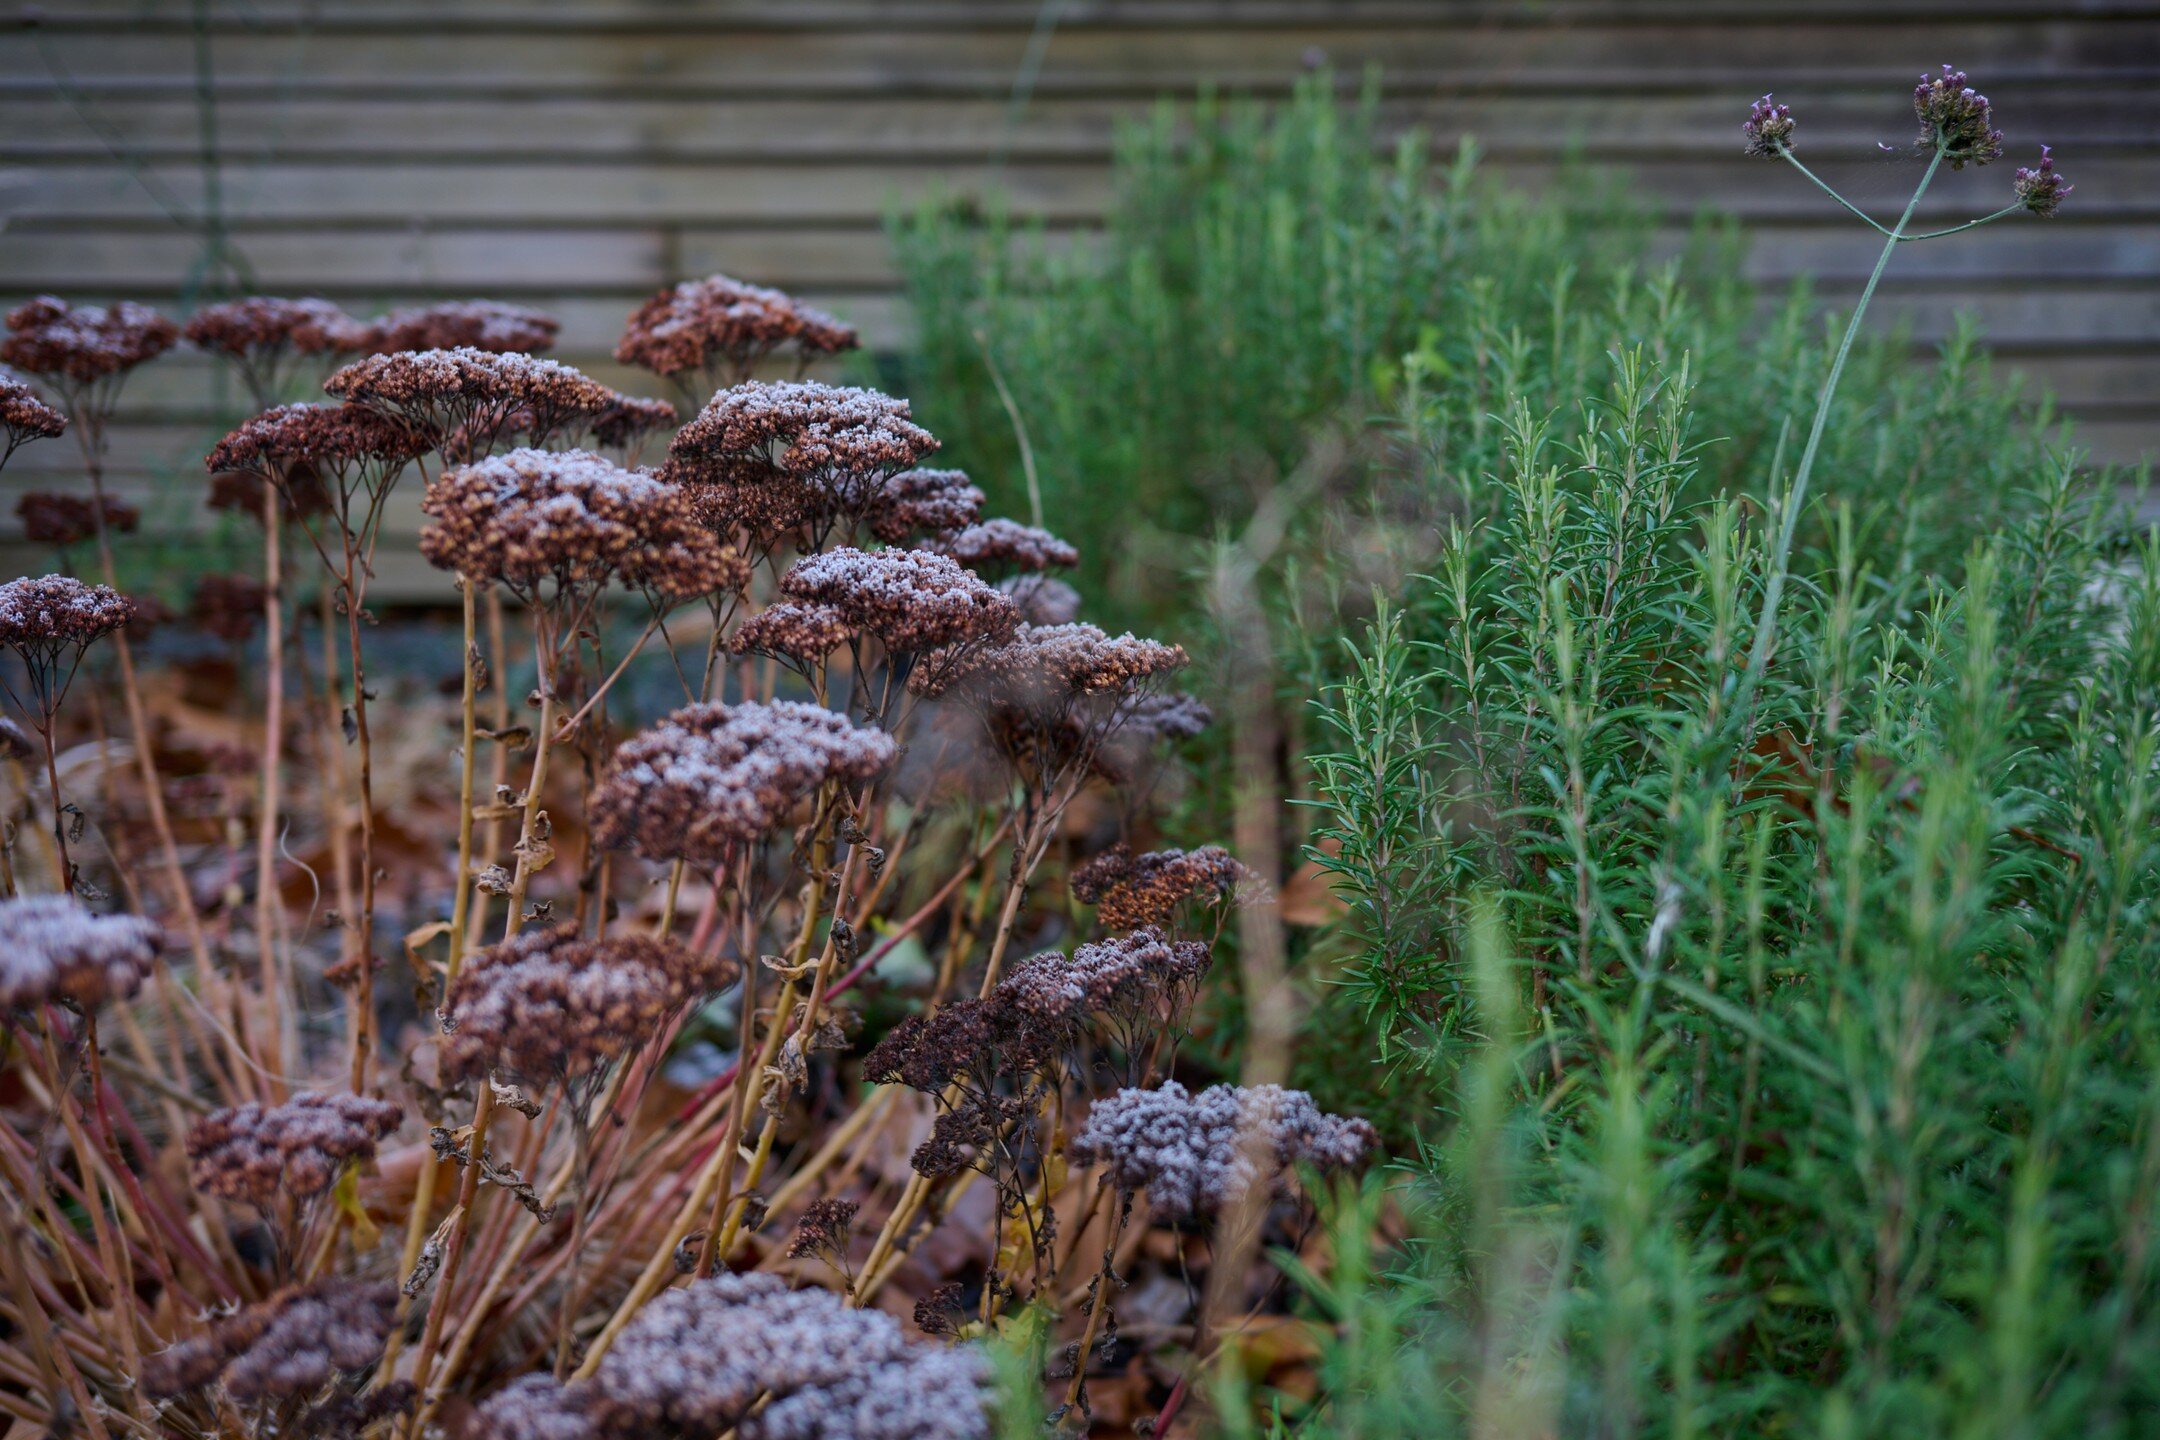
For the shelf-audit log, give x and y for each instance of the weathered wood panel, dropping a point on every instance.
(577, 156)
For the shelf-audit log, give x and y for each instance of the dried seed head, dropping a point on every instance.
(843, 444)
(1044, 666)
(1199, 1154)
(1121, 975)
(717, 323)
(2039, 188)
(1156, 716)
(789, 630)
(825, 1229)
(247, 1153)
(979, 1040)
(630, 420)
(62, 521)
(1042, 599)
(1768, 129)
(285, 1349)
(262, 324)
(52, 950)
(24, 416)
(1956, 117)
(228, 606)
(540, 1407)
(911, 601)
(468, 324)
(472, 396)
(550, 1005)
(711, 778)
(530, 517)
(334, 438)
(1009, 546)
(1130, 891)
(84, 343)
(925, 502)
(45, 615)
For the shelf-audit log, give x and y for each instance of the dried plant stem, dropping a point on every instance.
(1099, 1303)
(59, 816)
(54, 1364)
(268, 960)
(353, 586)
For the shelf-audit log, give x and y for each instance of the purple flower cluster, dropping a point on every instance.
(1956, 118)
(247, 1153)
(1768, 129)
(2040, 188)
(1200, 1154)
(52, 950)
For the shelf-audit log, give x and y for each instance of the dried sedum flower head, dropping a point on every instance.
(825, 1229)
(1123, 974)
(1768, 129)
(844, 444)
(25, 417)
(263, 324)
(1199, 1154)
(1956, 117)
(53, 951)
(530, 517)
(1130, 890)
(228, 606)
(711, 778)
(696, 1360)
(540, 1407)
(630, 420)
(719, 323)
(471, 395)
(46, 615)
(84, 343)
(247, 1153)
(469, 324)
(794, 632)
(925, 502)
(1043, 599)
(340, 439)
(551, 1005)
(62, 521)
(2039, 188)
(1009, 545)
(285, 1349)
(909, 600)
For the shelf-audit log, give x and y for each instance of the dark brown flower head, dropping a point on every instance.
(550, 1005)
(50, 614)
(470, 398)
(1955, 117)
(911, 601)
(825, 1229)
(630, 420)
(1768, 129)
(228, 606)
(800, 634)
(844, 444)
(1130, 891)
(84, 343)
(711, 778)
(464, 324)
(334, 438)
(1121, 975)
(265, 323)
(2040, 188)
(63, 521)
(1048, 664)
(247, 1153)
(695, 1362)
(1200, 1154)
(25, 417)
(1042, 599)
(717, 324)
(977, 1041)
(286, 1349)
(1007, 546)
(925, 502)
(569, 518)
(52, 950)
(940, 1311)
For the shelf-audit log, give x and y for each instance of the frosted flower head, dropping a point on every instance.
(64, 521)
(1008, 546)
(1124, 975)
(533, 517)
(540, 1407)
(910, 601)
(709, 779)
(468, 324)
(977, 1041)
(264, 324)
(925, 503)
(228, 606)
(24, 416)
(800, 634)
(1201, 1154)
(1049, 664)
(2040, 188)
(83, 344)
(630, 420)
(294, 445)
(285, 1349)
(1768, 129)
(53, 951)
(248, 1153)
(472, 396)
(1956, 118)
(720, 323)
(843, 444)
(1042, 599)
(1130, 891)
(48, 615)
(552, 1005)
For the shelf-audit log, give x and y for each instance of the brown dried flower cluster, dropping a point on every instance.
(287, 441)
(717, 323)
(533, 517)
(53, 951)
(25, 417)
(473, 396)
(630, 420)
(551, 1005)
(910, 601)
(84, 343)
(228, 606)
(926, 503)
(825, 1230)
(1007, 545)
(64, 521)
(44, 616)
(463, 324)
(266, 323)
(1130, 891)
(1121, 975)
(1201, 1154)
(1042, 599)
(711, 778)
(1045, 666)
(840, 446)
(285, 1349)
(801, 634)
(247, 1153)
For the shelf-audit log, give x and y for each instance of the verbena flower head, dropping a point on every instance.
(925, 503)
(1956, 117)
(84, 343)
(265, 323)
(1120, 975)
(64, 521)
(696, 1360)
(1130, 891)
(2040, 188)
(467, 324)
(709, 779)
(1200, 1154)
(533, 517)
(248, 1153)
(553, 1005)
(25, 417)
(1007, 545)
(473, 396)
(911, 601)
(1768, 129)
(53, 951)
(228, 606)
(840, 445)
(718, 323)
(285, 1349)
